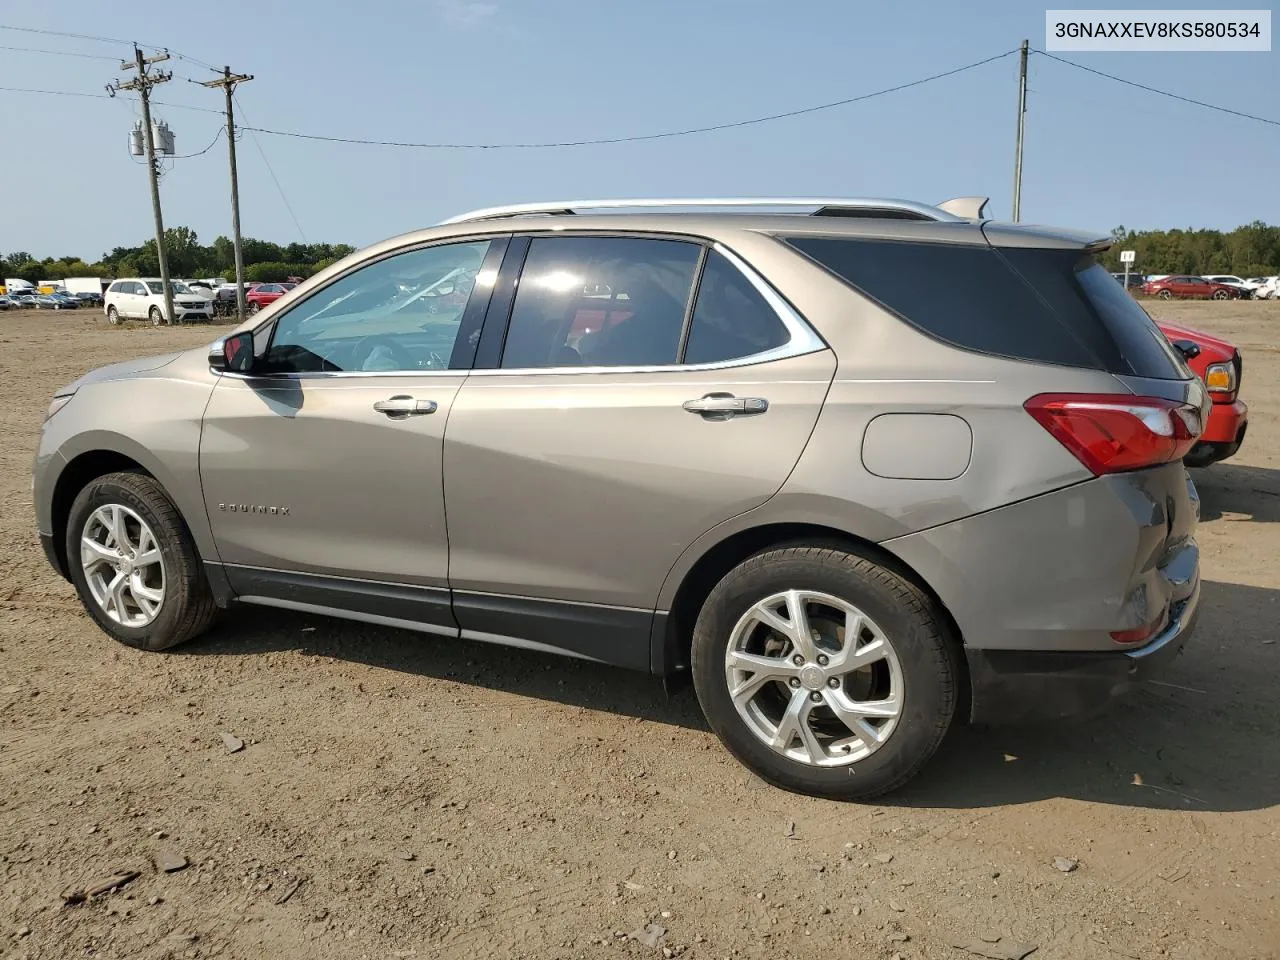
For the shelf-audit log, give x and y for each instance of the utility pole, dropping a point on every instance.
(143, 83)
(1022, 126)
(228, 83)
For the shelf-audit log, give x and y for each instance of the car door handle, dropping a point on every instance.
(722, 406)
(404, 406)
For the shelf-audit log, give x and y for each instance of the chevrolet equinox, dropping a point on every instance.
(859, 468)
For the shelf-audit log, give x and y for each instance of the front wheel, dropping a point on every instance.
(1165, 294)
(134, 564)
(254, 307)
(824, 672)
(156, 316)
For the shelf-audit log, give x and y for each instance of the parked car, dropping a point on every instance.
(264, 294)
(88, 298)
(1245, 287)
(1181, 287)
(1218, 363)
(1266, 288)
(1136, 280)
(56, 301)
(753, 450)
(6, 303)
(142, 298)
(26, 301)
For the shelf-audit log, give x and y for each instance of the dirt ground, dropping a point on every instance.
(399, 796)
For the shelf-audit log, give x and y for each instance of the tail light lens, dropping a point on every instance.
(1112, 433)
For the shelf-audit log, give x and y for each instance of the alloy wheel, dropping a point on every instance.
(122, 565)
(814, 678)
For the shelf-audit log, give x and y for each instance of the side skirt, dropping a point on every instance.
(617, 636)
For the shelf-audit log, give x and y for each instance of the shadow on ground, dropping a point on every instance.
(1250, 493)
(1198, 739)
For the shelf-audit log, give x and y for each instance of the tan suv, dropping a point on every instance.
(738, 440)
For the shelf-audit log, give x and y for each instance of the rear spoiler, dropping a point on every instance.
(969, 208)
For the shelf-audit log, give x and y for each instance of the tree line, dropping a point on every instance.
(263, 260)
(1252, 250)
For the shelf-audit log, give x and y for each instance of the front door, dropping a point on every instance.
(622, 421)
(321, 470)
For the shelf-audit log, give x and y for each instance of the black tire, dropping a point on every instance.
(1165, 294)
(156, 315)
(188, 607)
(927, 656)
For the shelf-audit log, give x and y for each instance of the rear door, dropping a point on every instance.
(617, 418)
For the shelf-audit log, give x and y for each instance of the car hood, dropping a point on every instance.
(1207, 342)
(121, 371)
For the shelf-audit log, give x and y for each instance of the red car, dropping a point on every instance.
(265, 293)
(1188, 287)
(1216, 362)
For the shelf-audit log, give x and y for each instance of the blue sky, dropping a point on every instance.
(1098, 154)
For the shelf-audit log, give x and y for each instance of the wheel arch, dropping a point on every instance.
(673, 633)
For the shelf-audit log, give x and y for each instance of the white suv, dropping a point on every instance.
(143, 298)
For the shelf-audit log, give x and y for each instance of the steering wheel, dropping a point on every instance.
(381, 352)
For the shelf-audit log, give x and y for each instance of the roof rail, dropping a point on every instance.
(819, 206)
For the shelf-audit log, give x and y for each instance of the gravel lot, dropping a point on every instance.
(403, 797)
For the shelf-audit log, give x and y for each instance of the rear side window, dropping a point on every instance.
(600, 301)
(1042, 305)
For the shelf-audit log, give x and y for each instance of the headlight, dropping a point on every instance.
(1220, 377)
(57, 404)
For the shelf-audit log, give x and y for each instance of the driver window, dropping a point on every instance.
(399, 314)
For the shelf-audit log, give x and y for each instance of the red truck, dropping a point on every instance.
(1217, 362)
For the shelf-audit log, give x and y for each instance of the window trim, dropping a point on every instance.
(496, 241)
(802, 338)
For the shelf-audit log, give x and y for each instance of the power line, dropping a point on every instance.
(200, 153)
(642, 137)
(97, 39)
(262, 153)
(1163, 93)
(61, 53)
(103, 96)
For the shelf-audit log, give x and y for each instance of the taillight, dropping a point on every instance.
(1111, 433)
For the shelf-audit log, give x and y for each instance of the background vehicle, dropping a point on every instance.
(264, 294)
(1267, 288)
(143, 298)
(94, 285)
(56, 301)
(19, 287)
(1245, 287)
(1136, 280)
(1218, 363)
(5, 302)
(1182, 287)
(670, 449)
(89, 298)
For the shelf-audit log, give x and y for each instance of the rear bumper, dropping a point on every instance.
(1025, 686)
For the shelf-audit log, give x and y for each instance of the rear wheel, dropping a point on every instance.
(156, 316)
(134, 564)
(113, 317)
(823, 672)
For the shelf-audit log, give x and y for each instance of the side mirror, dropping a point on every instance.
(233, 354)
(1188, 348)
